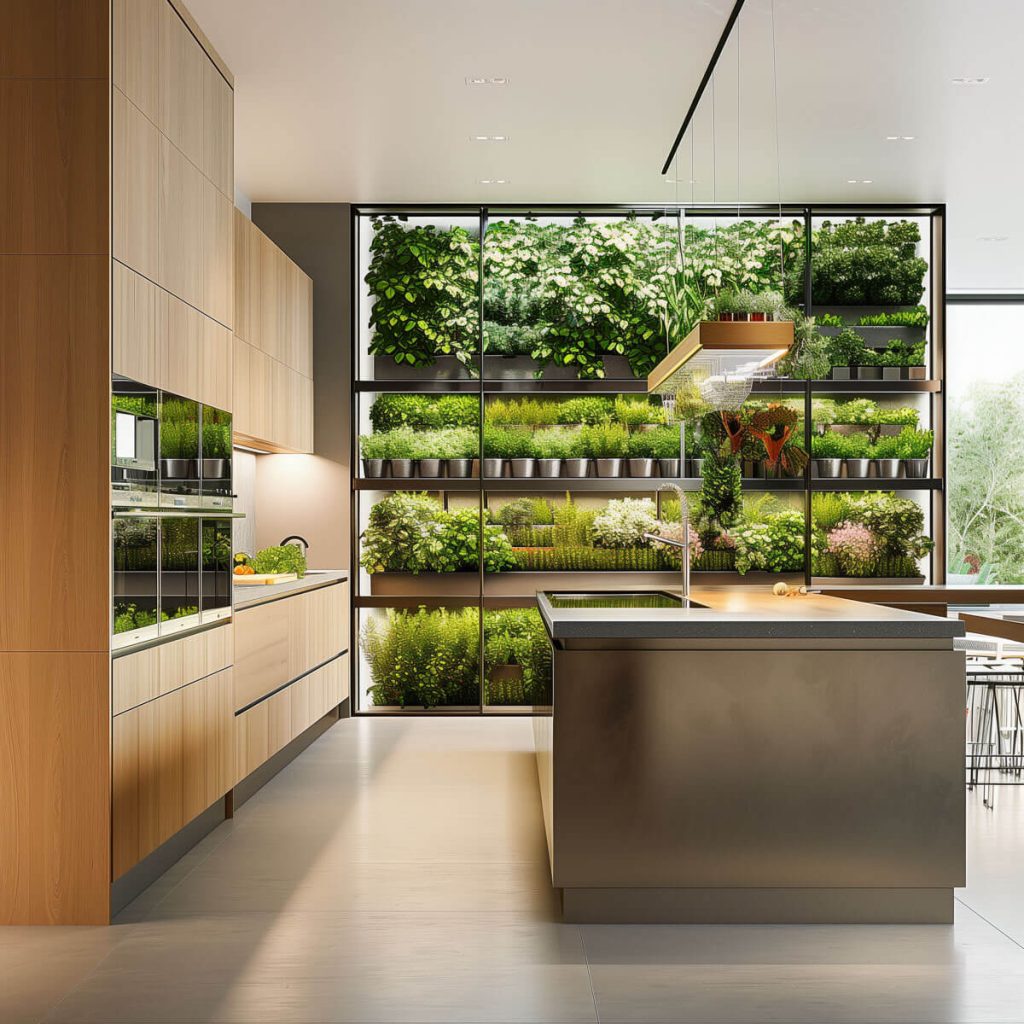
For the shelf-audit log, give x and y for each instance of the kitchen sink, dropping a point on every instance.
(618, 599)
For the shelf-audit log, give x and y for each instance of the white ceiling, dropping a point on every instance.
(366, 101)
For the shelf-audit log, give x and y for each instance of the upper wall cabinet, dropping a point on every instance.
(173, 149)
(273, 350)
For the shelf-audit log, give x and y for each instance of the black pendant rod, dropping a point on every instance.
(698, 95)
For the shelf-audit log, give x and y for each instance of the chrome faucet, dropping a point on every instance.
(301, 540)
(684, 544)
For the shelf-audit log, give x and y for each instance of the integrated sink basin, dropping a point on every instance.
(618, 599)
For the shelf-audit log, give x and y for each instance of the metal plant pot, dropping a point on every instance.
(458, 468)
(549, 468)
(888, 468)
(668, 467)
(828, 469)
(494, 467)
(857, 468)
(917, 372)
(373, 468)
(869, 373)
(641, 467)
(892, 373)
(402, 468)
(916, 469)
(179, 469)
(696, 467)
(576, 468)
(609, 467)
(430, 467)
(522, 468)
(842, 373)
(216, 469)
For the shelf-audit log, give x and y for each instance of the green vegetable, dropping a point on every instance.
(280, 559)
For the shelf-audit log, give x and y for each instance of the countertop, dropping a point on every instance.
(747, 612)
(250, 596)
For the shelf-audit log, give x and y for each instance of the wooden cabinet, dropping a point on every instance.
(272, 724)
(136, 187)
(273, 350)
(279, 641)
(145, 675)
(136, 53)
(172, 757)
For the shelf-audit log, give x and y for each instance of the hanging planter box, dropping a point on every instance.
(916, 372)
(869, 373)
(843, 372)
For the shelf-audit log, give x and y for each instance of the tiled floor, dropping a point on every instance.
(397, 872)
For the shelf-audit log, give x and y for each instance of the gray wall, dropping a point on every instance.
(303, 494)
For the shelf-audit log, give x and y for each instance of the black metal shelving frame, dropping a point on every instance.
(479, 385)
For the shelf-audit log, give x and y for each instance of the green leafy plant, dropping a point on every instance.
(516, 637)
(401, 443)
(915, 444)
(404, 533)
(423, 412)
(423, 280)
(830, 320)
(424, 657)
(635, 413)
(604, 441)
(773, 546)
(509, 443)
(518, 513)
(856, 446)
(886, 447)
(280, 558)
(554, 443)
(827, 446)
(641, 445)
(847, 348)
(858, 411)
(521, 412)
(664, 442)
(828, 510)
(623, 522)
(587, 409)
(902, 318)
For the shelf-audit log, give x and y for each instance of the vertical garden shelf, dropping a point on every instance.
(488, 377)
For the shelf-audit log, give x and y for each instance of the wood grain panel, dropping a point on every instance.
(220, 648)
(273, 321)
(125, 804)
(54, 194)
(261, 651)
(301, 713)
(279, 722)
(182, 73)
(136, 325)
(215, 370)
(136, 53)
(54, 38)
(206, 723)
(54, 788)
(161, 770)
(218, 254)
(218, 129)
(182, 662)
(54, 460)
(136, 188)
(241, 387)
(182, 204)
(247, 277)
(252, 738)
(136, 679)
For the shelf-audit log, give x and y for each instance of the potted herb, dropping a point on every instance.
(638, 414)
(915, 449)
(640, 454)
(400, 447)
(373, 448)
(869, 365)
(845, 351)
(892, 421)
(855, 455)
(664, 444)
(766, 306)
(725, 305)
(914, 363)
(552, 446)
(494, 452)
(457, 447)
(577, 460)
(743, 305)
(828, 450)
(891, 361)
(521, 453)
(606, 444)
(886, 453)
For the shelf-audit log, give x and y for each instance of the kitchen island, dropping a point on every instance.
(758, 759)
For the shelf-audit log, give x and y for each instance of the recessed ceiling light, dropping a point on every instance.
(859, 181)
(494, 181)
(681, 181)
(484, 80)
(488, 138)
(980, 80)
(900, 138)
(993, 238)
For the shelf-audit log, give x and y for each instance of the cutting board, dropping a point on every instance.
(264, 578)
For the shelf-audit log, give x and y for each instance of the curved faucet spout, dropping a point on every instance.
(684, 544)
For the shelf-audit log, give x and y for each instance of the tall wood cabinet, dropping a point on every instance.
(273, 344)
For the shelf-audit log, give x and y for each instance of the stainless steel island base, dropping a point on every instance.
(757, 779)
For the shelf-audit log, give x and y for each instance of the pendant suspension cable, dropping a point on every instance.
(778, 151)
(738, 83)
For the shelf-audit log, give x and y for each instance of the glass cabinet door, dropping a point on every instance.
(133, 433)
(136, 565)
(216, 575)
(179, 573)
(216, 458)
(179, 452)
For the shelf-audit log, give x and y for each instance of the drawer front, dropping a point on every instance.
(145, 675)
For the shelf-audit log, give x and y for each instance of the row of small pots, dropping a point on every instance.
(188, 469)
(879, 373)
(580, 468)
(404, 469)
(754, 318)
(887, 469)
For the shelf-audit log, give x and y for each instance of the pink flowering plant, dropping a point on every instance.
(674, 531)
(855, 547)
